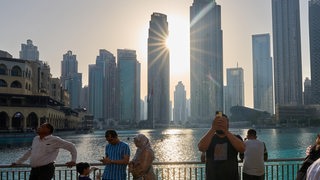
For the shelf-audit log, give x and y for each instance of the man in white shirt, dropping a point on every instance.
(44, 151)
(254, 157)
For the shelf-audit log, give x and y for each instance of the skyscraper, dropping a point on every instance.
(107, 61)
(206, 62)
(29, 51)
(96, 91)
(307, 95)
(262, 73)
(70, 78)
(314, 39)
(179, 110)
(234, 89)
(129, 86)
(158, 71)
(287, 52)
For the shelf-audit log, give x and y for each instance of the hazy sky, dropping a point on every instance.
(84, 27)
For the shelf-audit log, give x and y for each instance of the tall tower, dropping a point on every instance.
(234, 89)
(158, 71)
(262, 73)
(129, 87)
(96, 91)
(307, 95)
(107, 61)
(70, 78)
(314, 33)
(206, 62)
(179, 110)
(287, 52)
(29, 51)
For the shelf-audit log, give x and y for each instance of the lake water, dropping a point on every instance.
(170, 145)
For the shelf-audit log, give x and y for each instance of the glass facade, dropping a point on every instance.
(262, 73)
(158, 72)
(287, 52)
(206, 62)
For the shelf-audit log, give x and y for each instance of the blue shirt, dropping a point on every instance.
(116, 152)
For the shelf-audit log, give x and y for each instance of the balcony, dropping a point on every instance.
(284, 169)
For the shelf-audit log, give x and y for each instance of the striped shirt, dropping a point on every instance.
(116, 152)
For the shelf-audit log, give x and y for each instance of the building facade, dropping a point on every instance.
(158, 72)
(262, 73)
(29, 96)
(29, 51)
(235, 89)
(307, 94)
(96, 91)
(129, 83)
(206, 62)
(179, 110)
(110, 84)
(71, 79)
(314, 40)
(287, 52)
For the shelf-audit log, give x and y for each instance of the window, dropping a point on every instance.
(3, 69)
(16, 84)
(3, 83)
(16, 71)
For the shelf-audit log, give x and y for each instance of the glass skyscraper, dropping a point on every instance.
(234, 95)
(129, 87)
(314, 33)
(102, 87)
(96, 91)
(179, 110)
(287, 52)
(158, 71)
(206, 61)
(262, 73)
(70, 78)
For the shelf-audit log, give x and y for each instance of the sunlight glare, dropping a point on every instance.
(178, 43)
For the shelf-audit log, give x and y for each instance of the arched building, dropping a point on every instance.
(29, 96)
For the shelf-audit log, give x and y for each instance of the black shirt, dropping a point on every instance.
(222, 160)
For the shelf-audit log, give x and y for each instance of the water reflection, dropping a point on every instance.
(172, 144)
(176, 145)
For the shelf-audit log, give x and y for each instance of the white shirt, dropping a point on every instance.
(313, 172)
(45, 151)
(253, 162)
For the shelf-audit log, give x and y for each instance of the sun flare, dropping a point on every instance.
(178, 44)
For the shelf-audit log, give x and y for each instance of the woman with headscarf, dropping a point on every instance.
(141, 164)
(313, 153)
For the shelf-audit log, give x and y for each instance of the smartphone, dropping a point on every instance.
(219, 113)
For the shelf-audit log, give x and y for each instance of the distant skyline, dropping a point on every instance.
(85, 27)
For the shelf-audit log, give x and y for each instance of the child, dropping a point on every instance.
(83, 168)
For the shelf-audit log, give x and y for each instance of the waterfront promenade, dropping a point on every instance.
(276, 169)
(176, 151)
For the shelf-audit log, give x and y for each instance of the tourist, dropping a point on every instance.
(313, 171)
(44, 151)
(83, 168)
(221, 148)
(313, 153)
(254, 157)
(141, 164)
(117, 154)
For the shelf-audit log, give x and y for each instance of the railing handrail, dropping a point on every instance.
(160, 163)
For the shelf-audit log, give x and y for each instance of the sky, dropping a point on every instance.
(84, 27)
